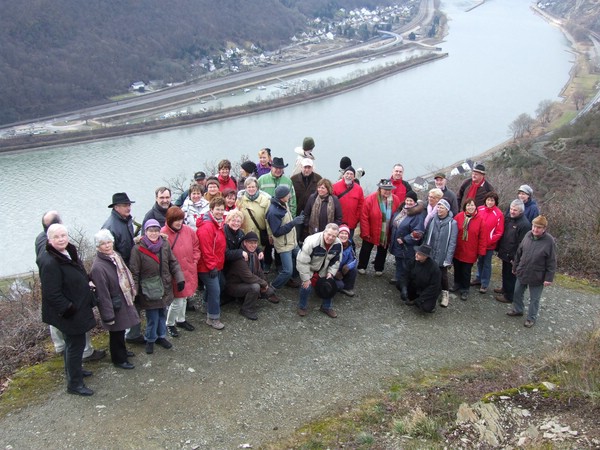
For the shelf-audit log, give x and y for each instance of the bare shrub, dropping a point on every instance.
(21, 330)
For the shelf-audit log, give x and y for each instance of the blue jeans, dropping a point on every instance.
(288, 268)
(348, 280)
(535, 294)
(156, 324)
(484, 268)
(212, 293)
(327, 303)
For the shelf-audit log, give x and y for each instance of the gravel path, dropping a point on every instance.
(255, 382)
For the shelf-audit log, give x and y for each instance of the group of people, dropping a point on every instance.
(224, 236)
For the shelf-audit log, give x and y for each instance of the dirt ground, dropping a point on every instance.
(255, 382)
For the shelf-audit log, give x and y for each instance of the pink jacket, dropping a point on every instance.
(186, 248)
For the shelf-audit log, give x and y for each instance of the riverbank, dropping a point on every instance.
(30, 143)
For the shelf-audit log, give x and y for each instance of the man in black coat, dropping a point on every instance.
(67, 302)
(476, 187)
(421, 282)
(159, 209)
(120, 224)
(516, 226)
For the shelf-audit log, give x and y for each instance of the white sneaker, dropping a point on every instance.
(378, 274)
(215, 323)
(348, 292)
(445, 299)
(362, 271)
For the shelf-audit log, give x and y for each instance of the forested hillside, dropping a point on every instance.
(580, 14)
(67, 54)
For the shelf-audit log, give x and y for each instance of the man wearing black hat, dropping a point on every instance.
(420, 284)
(476, 187)
(120, 224)
(317, 264)
(270, 181)
(245, 278)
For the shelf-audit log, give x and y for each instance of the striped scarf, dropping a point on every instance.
(125, 278)
(385, 204)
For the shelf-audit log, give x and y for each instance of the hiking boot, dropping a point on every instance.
(215, 323)
(445, 299)
(475, 282)
(164, 343)
(96, 355)
(502, 299)
(513, 313)
(529, 323)
(330, 312)
(249, 315)
(273, 298)
(499, 290)
(301, 312)
(185, 325)
(149, 348)
(172, 329)
(482, 290)
(464, 296)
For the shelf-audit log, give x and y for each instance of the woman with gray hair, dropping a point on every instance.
(116, 292)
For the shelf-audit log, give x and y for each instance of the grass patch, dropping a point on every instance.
(31, 385)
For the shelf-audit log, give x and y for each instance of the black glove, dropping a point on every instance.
(71, 310)
(213, 273)
(298, 220)
(180, 285)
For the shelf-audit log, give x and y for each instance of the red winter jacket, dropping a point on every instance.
(494, 224)
(229, 183)
(371, 218)
(212, 244)
(352, 202)
(186, 248)
(476, 243)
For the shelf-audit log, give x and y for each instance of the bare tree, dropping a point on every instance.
(578, 98)
(544, 111)
(521, 125)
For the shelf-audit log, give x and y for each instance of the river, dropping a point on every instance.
(503, 60)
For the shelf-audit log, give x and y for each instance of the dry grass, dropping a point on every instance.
(22, 332)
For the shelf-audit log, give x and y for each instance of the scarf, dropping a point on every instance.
(386, 213)
(399, 218)
(315, 213)
(252, 197)
(154, 247)
(473, 189)
(219, 222)
(125, 278)
(465, 233)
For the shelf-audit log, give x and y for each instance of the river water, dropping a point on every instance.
(503, 60)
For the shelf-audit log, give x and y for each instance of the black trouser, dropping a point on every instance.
(74, 345)
(462, 275)
(508, 280)
(365, 255)
(118, 350)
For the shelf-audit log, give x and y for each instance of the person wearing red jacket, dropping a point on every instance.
(470, 244)
(186, 248)
(375, 222)
(351, 197)
(493, 220)
(212, 246)
(226, 181)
